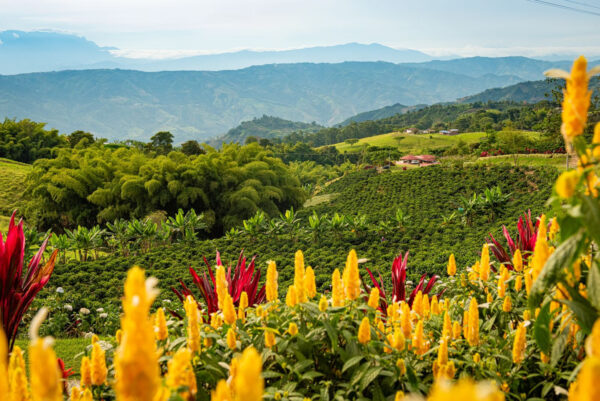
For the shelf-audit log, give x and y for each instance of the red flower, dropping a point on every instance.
(18, 288)
(66, 373)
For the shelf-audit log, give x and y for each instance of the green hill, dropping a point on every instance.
(426, 195)
(267, 127)
(381, 113)
(12, 180)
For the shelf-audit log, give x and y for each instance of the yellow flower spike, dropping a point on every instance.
(456, 330)
(310, 286)
(507, 304)
(86, 372)
(586, 386)
(418, 339)
(160, 325)
(463, 280)
(544, 358)
(425, 306)
(401, 365)
(477, 358)
(193, 323)
(323, 303)
(593, 341)
(118, 336)
(229, 315)
(405, 321)
(447, 326)
(337, 289)
(554, 229)
(248, 384)
(518, 283)
(75, 394)
(374, 298)
(541, 251)
(352, 283)
(399, 396)
(489, 299)
(417, 304)
(518, 351)
(442, 357)
(181, 374)
(86, 395)
(293, 329)
(95, 339)
(136, 359)
(46, 378)
(18, 385)
(381, 328)
(291, 298)
(243, 304)
(596, 141)
(222, 392)
(271, 285)
(221, 284)
(465, 389)
(528, 280)
(299, 277)
(484, 266)
(399, 341)
(388, 344)
(473, 327)
(231, 339)
(434, 306)
(216, 321)
(16, 361)
(269, 339)
(451, 265)
(566, 184)
(517, 261)
(99, 370)
(364, 331)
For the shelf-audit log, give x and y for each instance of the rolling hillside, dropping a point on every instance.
(378, 114)
(12, 179)
(266, 127)
(202, 104)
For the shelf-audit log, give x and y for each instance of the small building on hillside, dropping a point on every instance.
(452, 131)
(420, 160)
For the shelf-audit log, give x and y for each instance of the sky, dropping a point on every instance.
(165, 28)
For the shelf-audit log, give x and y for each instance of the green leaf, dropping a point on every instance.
(332, 334)
(558, 347)
(369, 377)
(541, 329)
(584, 312)
(564, 255)
(351, 362)
(593, 285)
(591, 211)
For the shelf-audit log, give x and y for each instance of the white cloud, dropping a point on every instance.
(15, 35)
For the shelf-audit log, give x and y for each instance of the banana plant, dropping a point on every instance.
(253, 226)
(317, 225)
(290, 223)
(62, 244)
(357, 224)
(119, 235)
(83, 240)
(338, 224)
(143, 231)
(401, 218)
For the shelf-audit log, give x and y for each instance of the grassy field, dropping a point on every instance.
(421, 143)
(12, 178)
(557, 161)
(69, 349)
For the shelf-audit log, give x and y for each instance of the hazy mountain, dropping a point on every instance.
(201, 104)
(267, 127)
(41, 51)
(383, 112)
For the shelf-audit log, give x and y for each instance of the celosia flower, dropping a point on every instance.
(507, 304)
(323, 303)
(291, 298)
(473, 327)
(46, 379)
(271, 286)
(310, 286)
(541, 251)
(86, 372)
(405, 321)
(352, 277)
(160, 325)
(484, 264)
(99, 370)
(228, 309)
(364, 331)
(442, 357)
(299, 277)
(86, 395)
(181, 374)
(136, 359)
(451, 265)
(269, 339)
(434, 306)
(337, 289)
(456, 330)
(193, 323)
(399, 396)
(75, 394)
(243, 304)
(18, 385)
(518, 351)
(248, 383)
(465, 390)
(447, 326)
(231, 340)
(374, 298)
(118, 336)
(401, 365)
(293, 329)
(566, 183)
(222, 392)
(477, 358)
(15, 362)
(398, 340)
(517, 261)
(554, 229)
(586, 386)
(418, 339)
(221, 284)
(518, 283)
(425, 306)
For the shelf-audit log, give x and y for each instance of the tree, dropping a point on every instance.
(351, 141)
(192, 148)
(251, 139)
(162, 142)
(77, 136)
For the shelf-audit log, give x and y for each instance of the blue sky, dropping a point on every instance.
(440, 27)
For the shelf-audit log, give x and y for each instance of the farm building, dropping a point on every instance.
(421, 160)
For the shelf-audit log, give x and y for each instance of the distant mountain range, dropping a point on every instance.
(23, 52)
(383, 112)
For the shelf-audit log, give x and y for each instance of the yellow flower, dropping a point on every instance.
(323, 303)
(86, 395)
(160, 325)
(352, 281)
(399, 396)
(473, 329)
(193, 323)
(484, 265)
(405, 321)
(544, 358)
(75, 394)
(291, 298)
(15, 362)
(299, 277)
(451, 265)
(518, 283)
(456, 330)
(447, 326)
(45, 376)
(271, 286)
(442, 358)
(593, 341)
(434, 306)
(541, 251)
(425, 306)
(374, 298)
(248, 383)
(18, 385)
(181, 374)
(586, 386)
(398, 340)
(364, 331)
(477, 358)
(401, 365)
(269, 339)
(490, 299)
(243, 304)
(517, 261)
(417, 304)
(465, 390)
(293, 329)
(221, 284)
(518, 352)
(566, 183)
(418, 339)
(554, 229)
(118, 336)
(99, 370)
(507, 304)
(310, 286)
(228, 310)
(337, 289)
(231, 340)
(86, 372)
(222, 392)
(136, 359)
